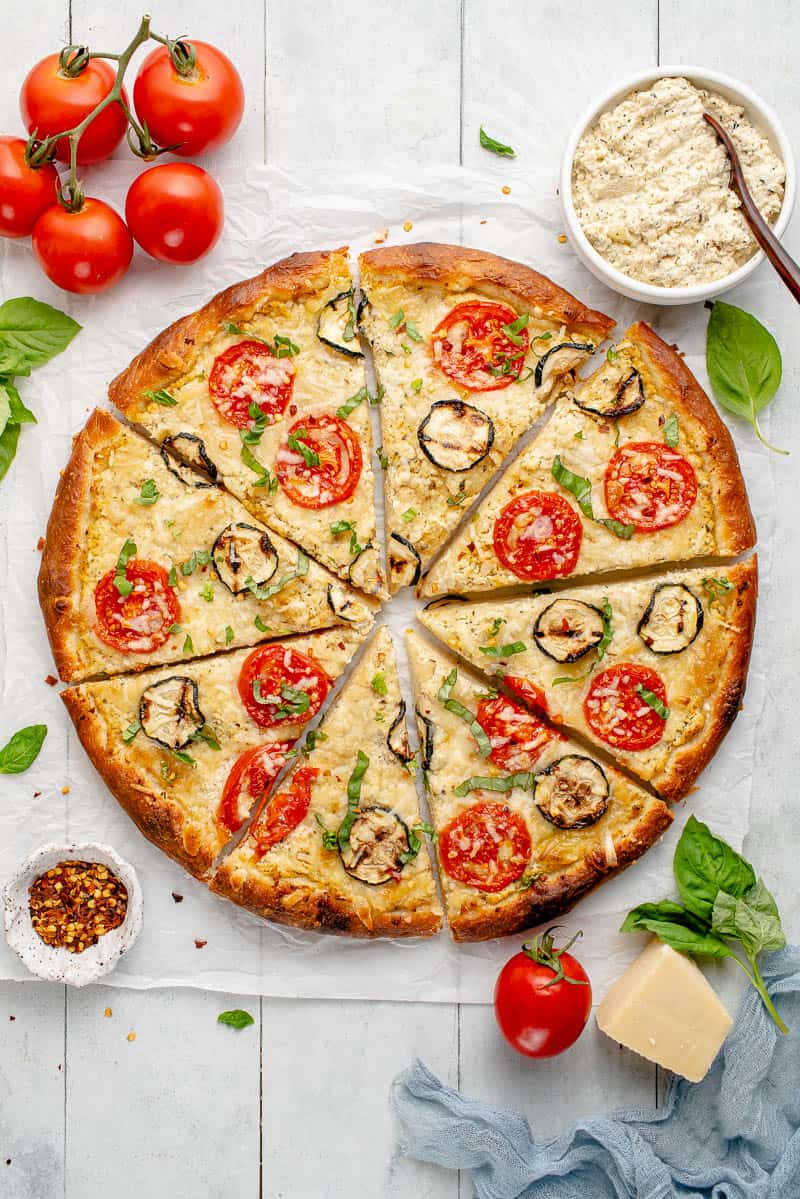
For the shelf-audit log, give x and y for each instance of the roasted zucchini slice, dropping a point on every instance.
(571, 792)
(616, 394)
(243, 552)
(426, 741)
(365, 567)
(344, 604)
(671, 620)
(169, 711)
(549, 362)
(567, 629)
(455, 436)
(405, 564)
(397, 737)
(377, 847)
(185, 457)
(337, 325)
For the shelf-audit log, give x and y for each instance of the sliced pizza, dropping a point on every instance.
(635, 468)
(146, 561)
(188, 750)
(526, 821)
(340, 845)
(468, 348)
(652, 670)
(264, 389)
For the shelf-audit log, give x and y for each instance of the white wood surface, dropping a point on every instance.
(296, 1107)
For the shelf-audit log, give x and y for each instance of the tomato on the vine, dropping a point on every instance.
(85, 251)
(543, 998)
(25, 192)
(51, 101)
(192, 110)
(175, 211)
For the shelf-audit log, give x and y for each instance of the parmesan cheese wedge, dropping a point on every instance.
(665, 1009)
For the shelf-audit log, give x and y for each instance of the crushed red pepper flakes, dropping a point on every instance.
(178, 898)
(200, 944)
(75, 903)
(51, 680)
(40, 544)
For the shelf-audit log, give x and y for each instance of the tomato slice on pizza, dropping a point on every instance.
(249, 373)
(320, 462)
(282, 813)
(251, 777)
(650, 486)
(136, 610)
(626, 706)
(480, 345)
(538, 536)
(516, 734)
(486, 846)
(281, 685)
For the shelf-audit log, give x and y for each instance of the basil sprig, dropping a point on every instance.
(581, 488)
(743, 363)
(31, 333)
(496, 147)
(721, 901)
(22, 750)
(458, 709)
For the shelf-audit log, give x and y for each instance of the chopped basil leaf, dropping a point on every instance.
(228, 634)
(527, 881)
(581, 488)
(671, 431)
(496, 625)
(172, 577)
(262, 593)
(384, 461)
(514, 330)
(524, 779)
(716, 588)
(259, 623)
(379, 684)
(313, 739)
(188, 646)
(608, 629)
(409, 515)
(396, 319)
(131, 732)
(578, 436)
(455, 501)
(503, 651)
(458, 709)
(121, 581)
(412, 331)
(297, 702)
(496, 147)
(415, 841)
(353, 800)
(254, 432)
(350, 405)
(198, 558)
(416, 385)
(265, 478)
(174, 628)
(205, 734)
(207, 593)
(148, 493)
(652, 701)
(329, 838)
(295, 442)
(237, 1018)
(611, 354)
(161, 397)
(347, 526)
(182, 757)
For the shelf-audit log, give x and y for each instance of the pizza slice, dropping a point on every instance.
(468, 349)
(148, 562)
(526, 821)
(634, 468)
(264, 389)
(188, 754)
(652, 670)
(340, 846)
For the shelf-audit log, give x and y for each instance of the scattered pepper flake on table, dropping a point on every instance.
(108, 1012)
(506, 190)
(75, 903)
(178, 898)
(131, 1036)
(51, 680)
(562, 237)
(200, 944)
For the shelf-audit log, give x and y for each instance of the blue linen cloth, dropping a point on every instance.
(732, 1136)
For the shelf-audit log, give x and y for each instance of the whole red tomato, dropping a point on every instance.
(24, 192)
(200, 110)
(543, 998)
(175, 211)
(51, 101)
(85, 251)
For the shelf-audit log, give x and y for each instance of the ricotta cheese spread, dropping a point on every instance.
(650, 185)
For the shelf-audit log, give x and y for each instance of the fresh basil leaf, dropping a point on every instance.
(259, 623)
(666, 910)
(236, 1018)
(8, 447)
(342, 526)
(295, 442)
(5, 409)
(513, 330)
(228, 634)
(608, 629)
(671, 431)
(31, 333)
(716, 588)
(452, 705)
(412, 331)
(353, 800)
(580, 487)
(396, 319)
(23, 748)
(161, 397)
(523, 779)
(131, 731)
(172, 577)
(207, 593)
(262, 593)
(148, 494)
(416, 386)
(705, 865)
(496, 147)
(753, 919)
(682, 937)
(653, 701)
(265, 479)
(496, 625)
(188, 645)
(384, 461)
(611, 354)
(455, 501)
(206, 734)
(297, 702)
(409, 515)
(379, 684)
(743, 363)
(284, 347)
(503, 651)
(350, 405)
(19, 414)
(121, 581)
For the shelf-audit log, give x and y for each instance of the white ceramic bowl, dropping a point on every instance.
(59, 965)
(761, 115)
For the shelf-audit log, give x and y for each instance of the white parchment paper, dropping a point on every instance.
(270, 215)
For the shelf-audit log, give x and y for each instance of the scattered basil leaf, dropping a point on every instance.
(172, 577)
(236, 1018)
(581, 488)
(207, 593)
(503, 651)
(22, 750)
(31, 333)
(161, 397)
(455, 501)
(295, 442)
(350, 405)
(611, 354)
(496, 625)
(384, 461)
(148, 494)
(743, 363)
(416, 385)
(188, 645)
(653, 701)
(296, 703)
(205, 734)
(131, 731)
(228, 634)
(496, 147)
(265, 479)
(716, 588)
(262, 593)
(121, 581)
(523, 779)
(452, 705)
(514, 330)
(313, 739)
(379, 684)
(259, 623)
(409, 515)
(671, 431)
(608, 629)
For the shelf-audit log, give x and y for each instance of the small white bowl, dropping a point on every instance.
(764, 119)
(57, 964)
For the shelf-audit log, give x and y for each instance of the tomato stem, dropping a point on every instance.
(542, 950)
(72, 61)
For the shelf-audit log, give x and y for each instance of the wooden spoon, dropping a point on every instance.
(784, 264)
